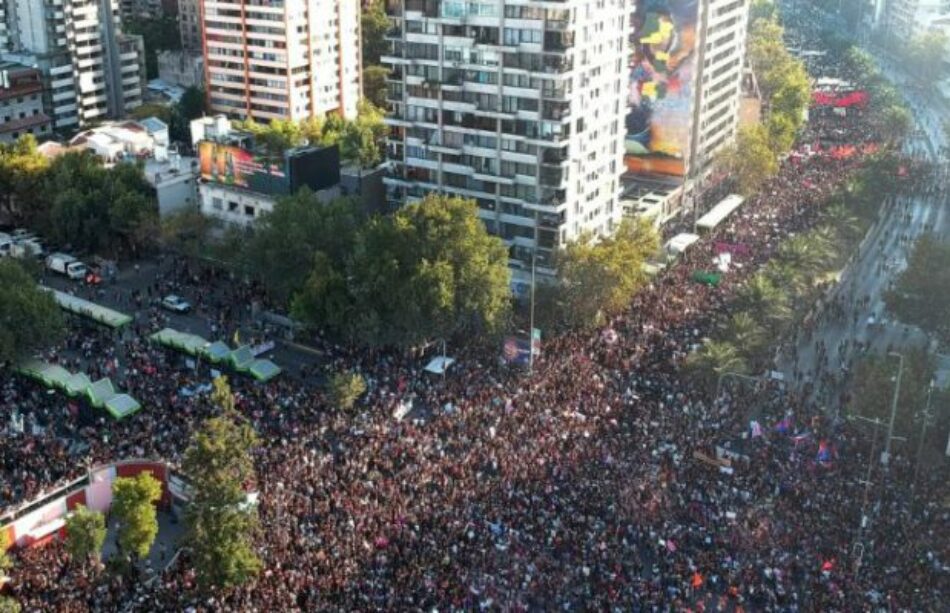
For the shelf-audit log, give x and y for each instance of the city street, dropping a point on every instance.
(882, 256)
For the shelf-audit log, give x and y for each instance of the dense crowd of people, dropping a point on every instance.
(606, 480)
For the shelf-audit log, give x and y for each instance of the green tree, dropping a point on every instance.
(221, 525)
(781, 133)
(714, 359)
(598, 277)
(345, 389)
(152, 109)
(896, 122)
(158, 34)
(30, 318)
(22, 168)
(5, 562)
(374, 24)
(860, 63)
(925, 53)
(750, 160)
(430, 271)
(9, 605)
(768, 302)
(922, 294)
(186, 231)
(88, 205)
(133, 506)
(747, 335)
(374, 84)
(85, 534)
(299, 227)
(762, 9)
(875, 379)
(846, 225)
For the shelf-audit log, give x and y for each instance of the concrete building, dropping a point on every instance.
(189, 25)
(673, 134)
(182, 68)
(907, 19)
(147, 9)
(516, 104)
(282, 60)
(21, 103)
(241, 181)
(91, 70)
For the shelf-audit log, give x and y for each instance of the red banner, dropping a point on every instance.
(855, 98)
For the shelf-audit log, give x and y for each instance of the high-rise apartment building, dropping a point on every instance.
(283, 59)
(517, 104)
(189, 25)
(721, 59)
(91, 70)
(907, 19)
(686, 61)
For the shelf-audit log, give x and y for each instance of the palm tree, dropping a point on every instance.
(714, 359)
(747, 335)
(839, 218)
(769, 302)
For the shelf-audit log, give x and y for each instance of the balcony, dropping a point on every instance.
(558, 41)
(556, 111)
(428, 8)
(554, 157)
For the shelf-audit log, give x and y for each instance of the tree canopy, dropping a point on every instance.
(22, 168)
(429, 271)
(220, 524)
(85, 534)
(599, 277)
(922, 294)
(158, 34)
(751, 160)
(30, 318)
(133, 506)
(88, 206)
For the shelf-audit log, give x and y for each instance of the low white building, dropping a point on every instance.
(175, 180)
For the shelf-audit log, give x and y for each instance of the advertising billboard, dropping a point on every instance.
(662, 74)
(231, 165)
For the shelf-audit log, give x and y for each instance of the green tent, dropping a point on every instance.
(77, 384)
(242, 358)
(264, 370)
(32, 369)
(99, 313)
(706, 277)
(101, 392)
(192, 344)
(122, 405)
(216, 352)
(56, 376)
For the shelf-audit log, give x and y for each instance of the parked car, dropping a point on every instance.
(66, 264)
(176, 304)
(27, 248)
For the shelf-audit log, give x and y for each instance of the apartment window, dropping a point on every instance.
(248, 210)
(216, 204)
(515, 36)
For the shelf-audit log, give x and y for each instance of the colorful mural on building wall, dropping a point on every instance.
(662, 73)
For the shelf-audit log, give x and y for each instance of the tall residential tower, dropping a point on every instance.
(91, 70)
(288, 59)
(518, 104)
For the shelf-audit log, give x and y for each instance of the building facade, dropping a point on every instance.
(21, 103)
(907, 19)
(182, 68)
(518, 105)
(189, 25)
(92, 71)
(282, 60)
(722, 52)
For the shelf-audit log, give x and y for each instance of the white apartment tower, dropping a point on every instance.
(517, 104)
(92, 71)
(722, 50)
(282, 59)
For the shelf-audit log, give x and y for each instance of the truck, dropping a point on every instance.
(27, 248)
(67, 265)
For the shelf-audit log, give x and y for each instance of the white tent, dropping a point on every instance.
(439, 365)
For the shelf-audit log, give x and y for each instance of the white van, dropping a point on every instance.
(67, 265)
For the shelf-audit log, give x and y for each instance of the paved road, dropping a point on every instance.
(857, 317)
(119, 296)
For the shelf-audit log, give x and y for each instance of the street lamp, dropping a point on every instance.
(732, 374)
(886, 455)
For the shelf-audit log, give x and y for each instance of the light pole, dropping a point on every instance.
(886, 456)
(732, 374)
(923, 434)
(867, 490)
(534, 260)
